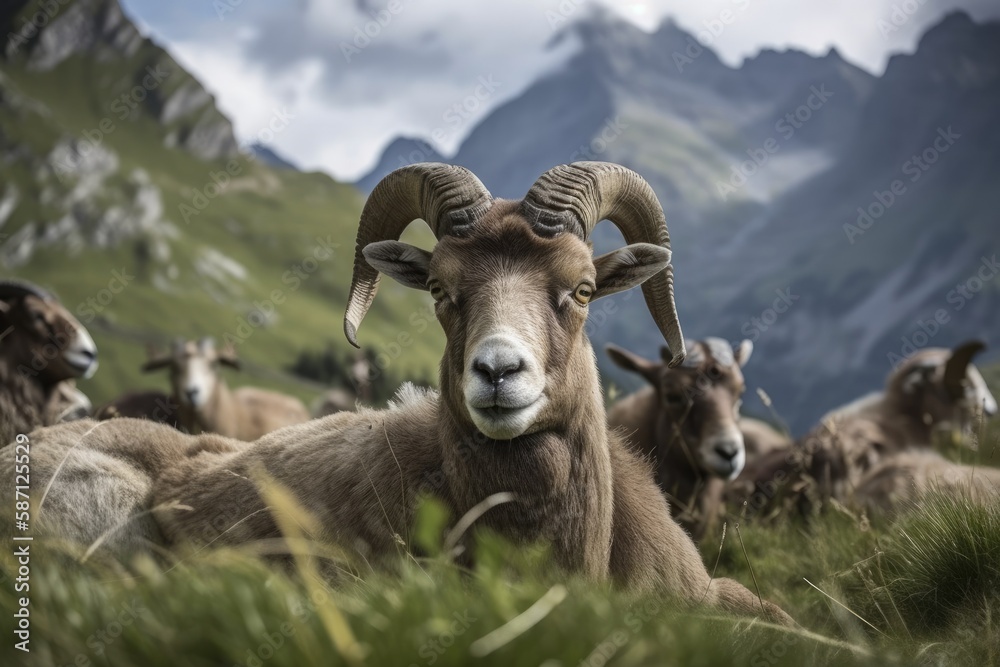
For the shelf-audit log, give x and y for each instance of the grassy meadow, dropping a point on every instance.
(922, 589)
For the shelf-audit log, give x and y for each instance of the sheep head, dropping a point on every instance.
(41, 336)
(942, 387)
(194, 369)
(512, 281)
(698, 402)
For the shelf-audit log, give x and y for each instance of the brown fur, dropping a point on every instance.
(360, 473)
(149, 404)
(36, 331)
(66, 403)
(680, 412)
(902, 480)
(246, 413)
(831, 461)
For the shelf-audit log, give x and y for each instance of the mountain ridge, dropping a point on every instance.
(761, 169)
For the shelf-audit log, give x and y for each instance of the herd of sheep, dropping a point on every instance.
(517, 435)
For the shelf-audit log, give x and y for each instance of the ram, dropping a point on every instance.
(142, 403)
(43, 348)
(520, 409)
(934, 392)
(685, 422)
(205, 404)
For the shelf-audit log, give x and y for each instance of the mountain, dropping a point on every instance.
(115, 161)
(628, 94)
(399, 153)
(899, 232)
(269, 157)
(761, 169)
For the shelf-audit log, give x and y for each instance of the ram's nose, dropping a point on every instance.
(497, 370)
(499, 359)
(81, 353)
(727, 449)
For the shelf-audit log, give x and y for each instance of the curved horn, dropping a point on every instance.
(575, 197)
(446, 197)
(14, 288)
(956, 368)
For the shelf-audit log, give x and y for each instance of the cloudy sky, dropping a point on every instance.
(350, 94)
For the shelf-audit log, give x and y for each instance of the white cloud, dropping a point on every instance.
(349, 98)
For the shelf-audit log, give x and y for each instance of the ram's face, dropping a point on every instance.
(710, 403)
(698, 402)
(194, 374)
(194, 369)
(52, 343)
(513, 306)
(957, 401)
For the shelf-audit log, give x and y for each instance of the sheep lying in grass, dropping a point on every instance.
(685, 422)
(42, 346)
(520, 409)
(205, 404)
(142, 404)
(903, 479)
(936, 391)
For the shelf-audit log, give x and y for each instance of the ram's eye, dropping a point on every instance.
(583, 294)
(437, 293)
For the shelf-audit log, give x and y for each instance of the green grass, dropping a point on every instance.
(938, 568)
(927, 586)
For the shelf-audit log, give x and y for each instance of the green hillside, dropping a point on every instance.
(195, 264)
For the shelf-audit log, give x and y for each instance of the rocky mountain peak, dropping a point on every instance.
(955, 51)
(46, 36)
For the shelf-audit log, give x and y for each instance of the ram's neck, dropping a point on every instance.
(220, 414)
(561, 476)
(677, 472)
(21, 402)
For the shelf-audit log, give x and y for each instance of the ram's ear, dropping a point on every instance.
(743, 351)
(402, 262)
(631, 361)
(628, 267)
